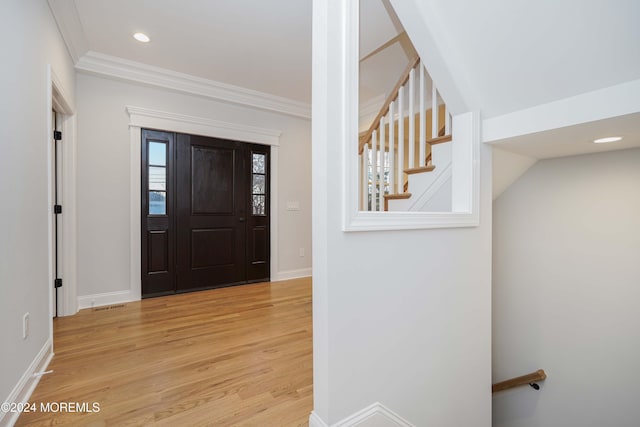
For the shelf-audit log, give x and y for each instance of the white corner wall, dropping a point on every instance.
(31, 42)
(507, 168)
(402, 318)
(566, 290)
(104, 176)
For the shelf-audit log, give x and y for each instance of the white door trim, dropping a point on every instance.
(147, 118)
(60, 101)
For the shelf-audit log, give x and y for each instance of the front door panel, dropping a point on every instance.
(205, 214)
(211, 213)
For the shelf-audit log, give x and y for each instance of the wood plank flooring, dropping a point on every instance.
(239, 356)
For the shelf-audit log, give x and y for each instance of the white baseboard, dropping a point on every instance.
(120, 297)
(107, 298)
(27, 384)
(316, 421)
(373, 415)
(291, 274)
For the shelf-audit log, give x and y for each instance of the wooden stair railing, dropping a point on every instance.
(529, 379)
(436, 140)
(439, 140)
(380, 167)
(366, 137)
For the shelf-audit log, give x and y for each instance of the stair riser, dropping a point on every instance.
(421, 183)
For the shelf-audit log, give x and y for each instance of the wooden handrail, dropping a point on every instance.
(531, 378)
(385, 107)
(439, 140)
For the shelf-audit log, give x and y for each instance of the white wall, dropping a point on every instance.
(103, 175)
(30, 42)
(441, 200)
(566, 290)
(507, 168)
(400, 317)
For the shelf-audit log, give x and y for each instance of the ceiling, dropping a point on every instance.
(518, 54)
(578, 139)
(259, 45)
(515, 54)
(381, 62)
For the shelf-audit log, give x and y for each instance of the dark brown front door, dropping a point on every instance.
(211, 212)
(217, 227)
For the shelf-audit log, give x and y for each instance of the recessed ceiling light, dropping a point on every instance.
(607, 139)
(142, 37)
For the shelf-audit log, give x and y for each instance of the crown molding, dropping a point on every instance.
(70, 26)
(68, 21)
(123, 69)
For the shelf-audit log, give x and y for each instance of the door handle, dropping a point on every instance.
(241, 219)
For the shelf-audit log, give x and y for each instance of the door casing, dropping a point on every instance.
(60, 101)
(140, 118)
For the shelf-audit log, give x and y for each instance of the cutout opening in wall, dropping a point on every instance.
(405, 165)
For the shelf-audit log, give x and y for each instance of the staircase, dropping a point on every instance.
(405, 154)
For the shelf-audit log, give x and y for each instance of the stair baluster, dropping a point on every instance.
(412, 124)
(392, 144)
(378, 145)
(401, 164)
(382, 152)
(434, 111)
(374, 170)
(447, 121)
(423, 119)
(364, 174)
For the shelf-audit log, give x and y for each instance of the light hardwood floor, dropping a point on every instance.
(238, 356)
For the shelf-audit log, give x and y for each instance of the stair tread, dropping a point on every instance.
(419, 169)
(396, 196)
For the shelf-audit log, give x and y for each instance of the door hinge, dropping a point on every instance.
(57, 209)
(57, 135)
(57, 283)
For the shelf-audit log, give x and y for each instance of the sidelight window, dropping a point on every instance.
(259, 183)
(157, 178)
